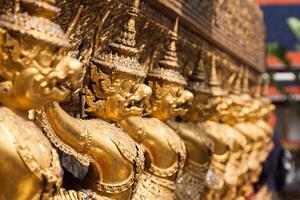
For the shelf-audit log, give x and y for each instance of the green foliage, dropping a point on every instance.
(278, 51)
(294, 25)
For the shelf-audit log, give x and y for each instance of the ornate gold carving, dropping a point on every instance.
(112, 95)
(69, 194)
(42, 68)
(122, 57)
(111, 77)
(168, 69)
(168, 100)
(227, 21)
(84, 159)
(152, 187)
(33, 72)
(209, 144)
(191, 184)
(23, 134)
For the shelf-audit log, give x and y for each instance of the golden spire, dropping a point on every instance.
(230, 80)
(136, 5)
(123, 52)
(237, 85)
(17, 6)
(174, 36)
(257, 92)
(212, 79)
(197, 81)
(199, 73)
(169, 59)
(168, 68)
(125, 43)
(245, 88)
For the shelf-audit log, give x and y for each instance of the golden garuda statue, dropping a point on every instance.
(33, 72)
(191, 183)
(165, 151)
(115, 161)
(132, 99)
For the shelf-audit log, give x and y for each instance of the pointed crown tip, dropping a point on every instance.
(136, 3)
(175, 28)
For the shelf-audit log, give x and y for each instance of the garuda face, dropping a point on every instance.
(237, 111)
(169, 100)
(206, 107)
(33, 72)
(116, 96)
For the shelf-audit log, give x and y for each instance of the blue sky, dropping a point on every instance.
(277, 29)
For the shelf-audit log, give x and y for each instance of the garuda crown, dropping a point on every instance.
(200, 82)
(36, 22)
(168, 68)
(123, 55)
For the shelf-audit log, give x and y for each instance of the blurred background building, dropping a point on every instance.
(283, 67)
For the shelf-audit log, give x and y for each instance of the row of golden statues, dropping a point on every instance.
(146, 135)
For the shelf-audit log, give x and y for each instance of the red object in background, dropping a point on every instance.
(293, 145)
(274, 63)
(291, 89)
(278, 2)
(272, 119)
(273, 91)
